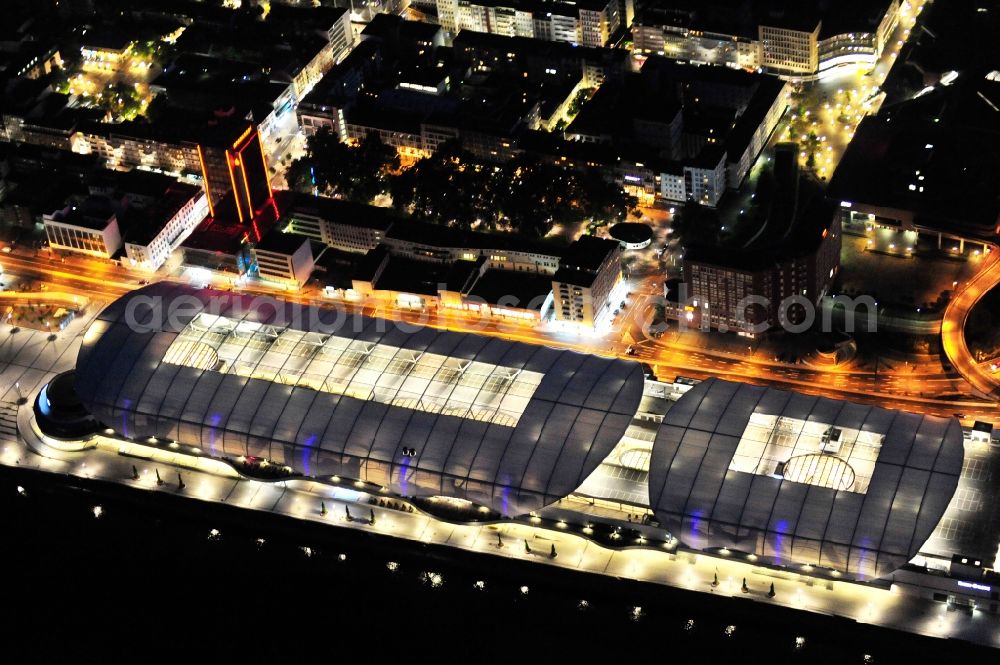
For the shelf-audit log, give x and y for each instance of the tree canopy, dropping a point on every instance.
(452, 187)
(334, 168)
(524, 195)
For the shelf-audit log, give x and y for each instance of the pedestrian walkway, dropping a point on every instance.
(29, 359)
(347, 506)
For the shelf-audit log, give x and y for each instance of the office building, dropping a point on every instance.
(283, 258)
(89, 228)
(342, 225)
(157, 229)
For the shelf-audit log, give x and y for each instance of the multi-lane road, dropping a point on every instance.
(912, 387)
(979, 375)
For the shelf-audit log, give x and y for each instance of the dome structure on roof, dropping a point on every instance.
(632, 235)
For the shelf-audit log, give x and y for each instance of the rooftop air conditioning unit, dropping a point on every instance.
(831, 441)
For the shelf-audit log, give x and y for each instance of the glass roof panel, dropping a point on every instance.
(364, 370)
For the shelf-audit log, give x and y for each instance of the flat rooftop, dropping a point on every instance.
(146, 223)
(795, 217)
(216, 76)
(527, 46)
(513, 289)
(136, 182)
(588, 253)
(391, 27)
(338, 211)
(435, 235)
(224, 236)
(935, 156)
(177, 127)
(742, 17)
(95, 213)
(410, 276)
(280, 242)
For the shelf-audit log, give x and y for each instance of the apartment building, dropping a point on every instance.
(585, 283)
(772, 279)
(792, 39)
(584, 23)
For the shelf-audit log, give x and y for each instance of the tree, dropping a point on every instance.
(525, 194)
(332, 167)
(659, 313)
(158, 108)
(121, 100)
(59, 80)
(581, 98)
(446, 188)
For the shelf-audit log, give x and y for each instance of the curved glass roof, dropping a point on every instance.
(802, 479)
(505, 424)
(364, 369)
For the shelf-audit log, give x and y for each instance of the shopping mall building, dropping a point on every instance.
(782, 478)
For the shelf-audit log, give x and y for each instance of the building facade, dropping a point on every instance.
(92, 232)
(588, 276)
(750, 297)
(284, 259)
(789, 44)
(705, 181)
(587, 23)
(342, 225)
(789, 50)
(164, 226)
(794, 480)
(429, 242)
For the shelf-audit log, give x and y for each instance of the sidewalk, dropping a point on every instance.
(649, 561)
